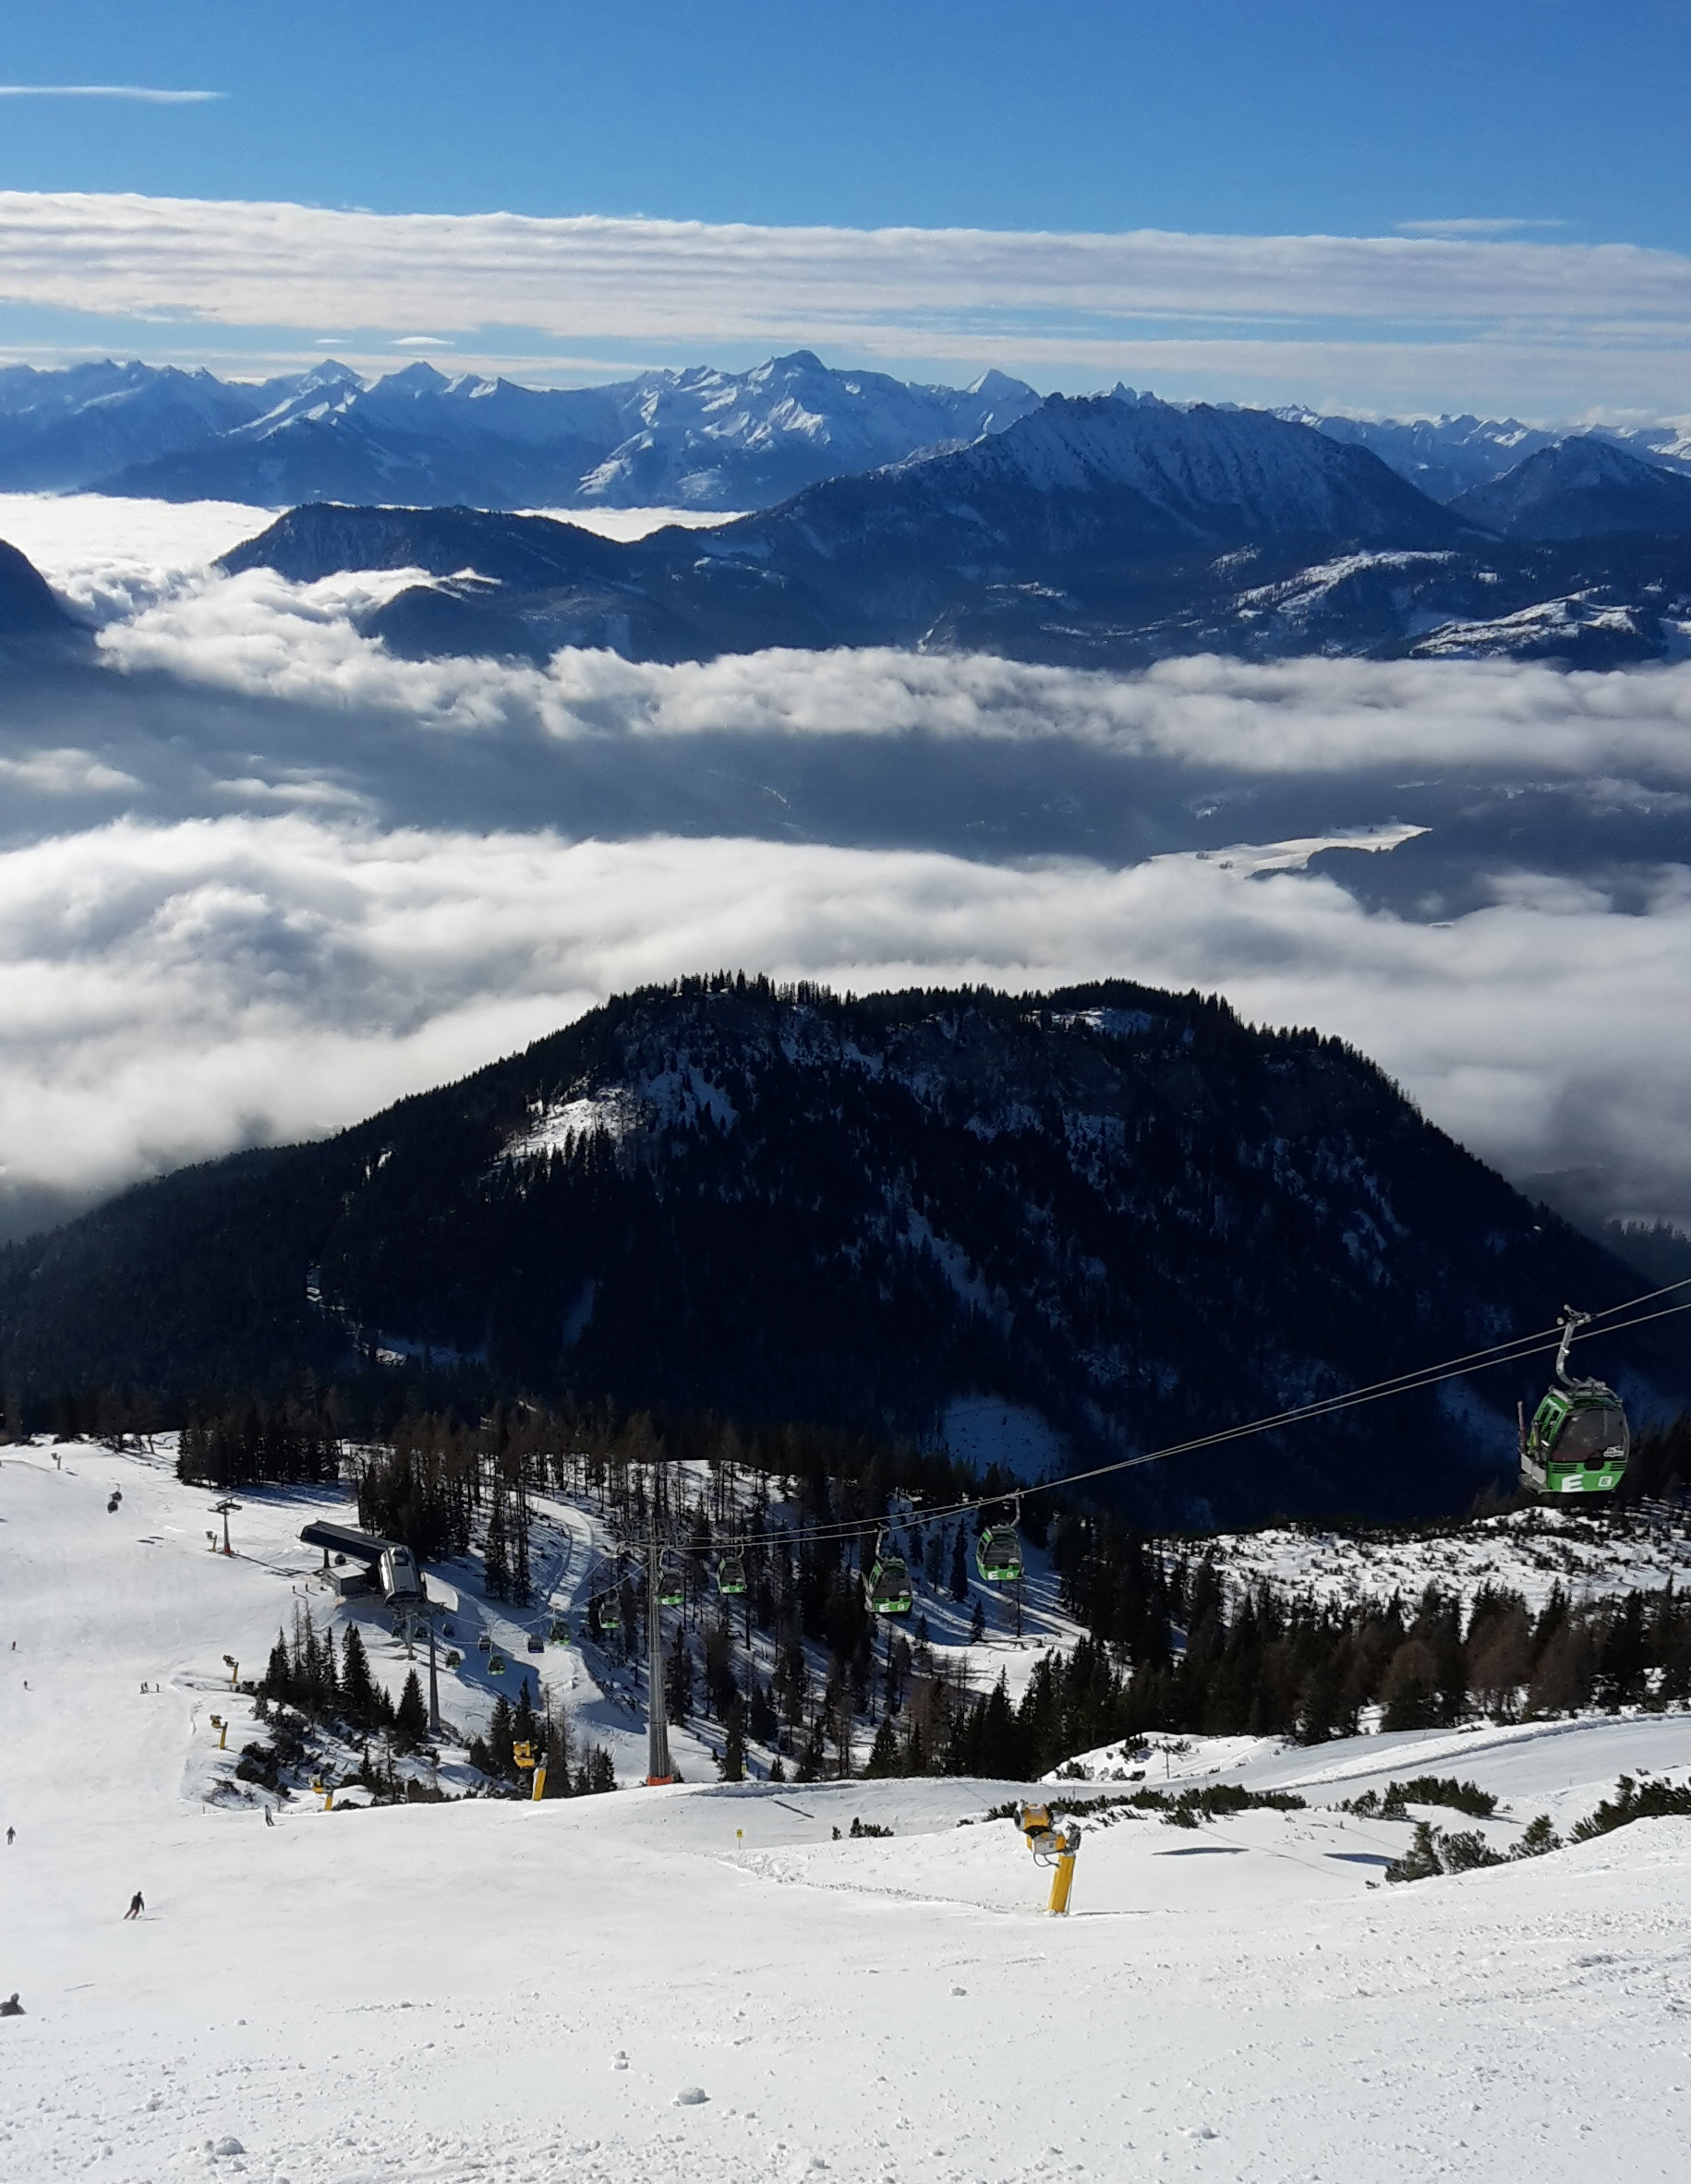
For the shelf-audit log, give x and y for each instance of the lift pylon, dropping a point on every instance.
(658, 1769)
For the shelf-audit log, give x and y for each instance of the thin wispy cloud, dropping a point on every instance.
(146, 94)
(1101, 301)
(1473, 227)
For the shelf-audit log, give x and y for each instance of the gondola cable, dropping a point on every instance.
(1539, 1342)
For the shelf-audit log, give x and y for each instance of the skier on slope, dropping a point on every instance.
(136, 1906)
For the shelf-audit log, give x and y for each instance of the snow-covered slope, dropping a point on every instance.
(1529, 1551)
(1203, 471)
(705, 1984)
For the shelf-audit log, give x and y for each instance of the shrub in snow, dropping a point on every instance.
(1654, 1801)
(1433, 1850)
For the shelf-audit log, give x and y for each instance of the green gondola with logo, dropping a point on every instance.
(1578, 1440)
(730, 1575)
(887, 1584)
(998, 1554)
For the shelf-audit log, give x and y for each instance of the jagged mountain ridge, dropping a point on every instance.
(698, 438)
(1448, 456)
(1108, 531)
(695, 437)
(1118, 1207)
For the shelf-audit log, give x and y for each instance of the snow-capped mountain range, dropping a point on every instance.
(698, 438)
(1111, 530)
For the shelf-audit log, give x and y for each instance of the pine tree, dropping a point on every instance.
(522, 1590)
(500, 1737)
(1420, 1861)
(678, 1678)
(411, 1716)
(809, 1768)
(977, 1622)
(883, 1752)
(495, 1557)
(959, 1567)
(358, 1686)
(732, 1766)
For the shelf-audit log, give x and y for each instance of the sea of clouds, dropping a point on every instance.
(258, 877)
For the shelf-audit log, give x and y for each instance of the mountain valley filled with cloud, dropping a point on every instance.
(261, 875)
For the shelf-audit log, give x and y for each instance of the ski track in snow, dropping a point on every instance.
(522, 1994)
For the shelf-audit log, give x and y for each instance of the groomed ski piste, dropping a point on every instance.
(704, 1982)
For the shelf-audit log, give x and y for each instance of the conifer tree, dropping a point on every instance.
(411, 1716)
(678, 1678)
(732, 1766)
(883, 1752)
(495, 1558)
(500, 1737)
(959, 1567)
(358, 1686)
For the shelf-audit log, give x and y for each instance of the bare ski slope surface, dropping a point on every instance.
(530, 1993)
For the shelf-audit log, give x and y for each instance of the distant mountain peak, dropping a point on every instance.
(1579, 488)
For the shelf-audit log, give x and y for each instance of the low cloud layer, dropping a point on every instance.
(1021, 298)
(262, 636)
(166, 993)
(258, 877)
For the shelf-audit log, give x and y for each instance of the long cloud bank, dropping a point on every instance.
(167, 993)
(1085, 298)
(260, 636)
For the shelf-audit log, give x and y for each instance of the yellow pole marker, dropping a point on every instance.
(540, 1782)
(221, 1728)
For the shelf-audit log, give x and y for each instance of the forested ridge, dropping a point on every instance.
(1119, 1209)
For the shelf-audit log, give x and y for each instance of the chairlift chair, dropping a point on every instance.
(1578, 1440)
(887, 1587)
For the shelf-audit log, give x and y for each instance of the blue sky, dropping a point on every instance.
(1211, 121)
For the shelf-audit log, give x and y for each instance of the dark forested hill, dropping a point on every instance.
(1118, 1208)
